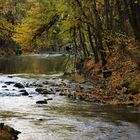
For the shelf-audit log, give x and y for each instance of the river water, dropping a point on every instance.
(61, 118)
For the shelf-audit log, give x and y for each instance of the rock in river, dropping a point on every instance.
(24, 92)
(49, 99)
(18, 85)
(42, 101)
(9, 83)
(4, 86)
(44, 91)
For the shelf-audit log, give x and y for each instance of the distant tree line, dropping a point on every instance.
(90, 26)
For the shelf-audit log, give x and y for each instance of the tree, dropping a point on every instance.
(87, 25)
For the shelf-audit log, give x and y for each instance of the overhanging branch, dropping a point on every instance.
(46, 27)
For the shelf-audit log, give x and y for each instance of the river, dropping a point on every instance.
(62, 118)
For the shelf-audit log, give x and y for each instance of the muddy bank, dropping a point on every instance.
(8, 133)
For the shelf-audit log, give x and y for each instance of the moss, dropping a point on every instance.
(135, 83)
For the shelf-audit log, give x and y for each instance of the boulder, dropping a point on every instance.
(10, 76)
(8, 133)
(4, 86)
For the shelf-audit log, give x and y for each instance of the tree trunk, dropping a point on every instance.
(96, 57)
(133, 11)
(107, 8)
(98, 34)
(82, 42)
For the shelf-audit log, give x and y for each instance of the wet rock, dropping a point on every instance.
(7, 89)
(4, 86)
(18, 85)
(39, 90)
(62, 94)
(36, 85)
(9, 83)
(30, 96)
(10, 76)
(44, 91)
(24, 92)
(57, 89)
(40, 119)
(39, 85)
(81, 87)
(8, 133)
(27, 85)
(42, 101)
(48, 99)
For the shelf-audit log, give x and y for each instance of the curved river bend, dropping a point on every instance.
(61, 118)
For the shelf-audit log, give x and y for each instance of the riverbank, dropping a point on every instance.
(118, 82)
(9, 51)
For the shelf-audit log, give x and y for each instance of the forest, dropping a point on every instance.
(101, 38)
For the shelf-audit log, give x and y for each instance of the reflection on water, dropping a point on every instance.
(37, 64)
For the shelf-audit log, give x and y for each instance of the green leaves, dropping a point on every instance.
(41, 20)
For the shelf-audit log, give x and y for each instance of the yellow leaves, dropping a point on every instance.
(61, 7)
(41, 13)
(5, 28)
(24, 33)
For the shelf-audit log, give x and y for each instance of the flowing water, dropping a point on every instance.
(61, 118)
